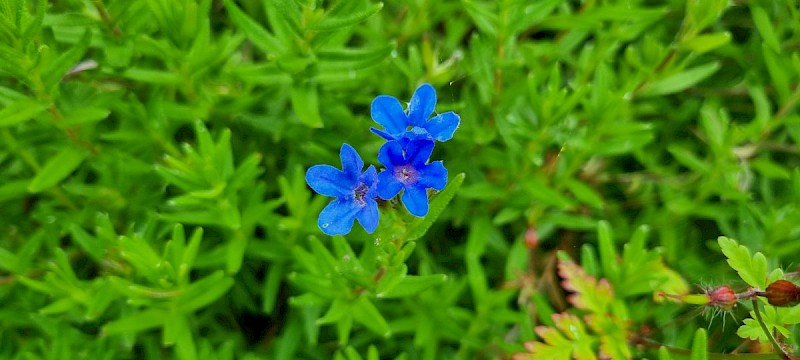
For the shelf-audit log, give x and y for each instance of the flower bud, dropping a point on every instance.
(722, 297)
(531, 238)
(783, 293)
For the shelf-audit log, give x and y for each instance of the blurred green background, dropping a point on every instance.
(152, 154)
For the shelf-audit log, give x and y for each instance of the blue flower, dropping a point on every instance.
(407, 170)
(405, 126)
(354, 191)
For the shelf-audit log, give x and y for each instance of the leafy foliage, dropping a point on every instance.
(153, 201)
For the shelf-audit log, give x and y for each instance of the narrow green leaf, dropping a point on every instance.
(365, 313)
(765, 29)
(57, 169)
(305, 101)
(333, 23)
(234, 255)
(83, 116)
(203, 292)
(133, 323)
(707, 42)
(681, 81)
(89, 243)
(418, 227)
(8, 260)
(260, 37)
(689, 159)
(584, 193)
(159, 77)
(770, 169)
(699, 345)
(608, 253)
(59, 306)
(21, 111)
(411, 285)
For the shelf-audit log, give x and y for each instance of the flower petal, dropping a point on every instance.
(443, 126)
(329, 181)
(368, 216)
(422, 104)
(418, 152)
(370, 178)
(415, 198)
(337, 218)
(382, 134)
(391, 155)
(387, 111)
(388, 186)
(433, 175)
(351, 162)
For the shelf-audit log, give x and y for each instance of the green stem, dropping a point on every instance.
(764, 327)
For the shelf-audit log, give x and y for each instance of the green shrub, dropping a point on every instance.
(154, 205)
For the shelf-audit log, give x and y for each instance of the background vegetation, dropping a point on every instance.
(152, 154)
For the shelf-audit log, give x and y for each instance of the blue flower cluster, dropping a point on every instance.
(410, 136)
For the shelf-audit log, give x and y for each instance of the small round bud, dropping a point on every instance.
(722, 297)
(783, 293)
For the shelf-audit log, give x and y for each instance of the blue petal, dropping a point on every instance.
(337, 218)
(422, 104)
(388, 186)
(368, 216)
(329, 181)
(442, 126)
(351, 162)
(370, 178)
(382, 134)
(388, 111)
(418, 152)
(433, 175)
(415, 198)
(391, 155)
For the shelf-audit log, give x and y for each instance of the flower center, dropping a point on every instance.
(406, 174)
(360, 193)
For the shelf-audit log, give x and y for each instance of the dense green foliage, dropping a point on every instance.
(153, 202)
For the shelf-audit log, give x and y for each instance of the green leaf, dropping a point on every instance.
(589, 293)
(133, 323)
(203, 292)
(151, 76)
(608, 254)
(418, 227)
(57, 169)
(21, 111)
(753, 270)
(411, 285)
(680, 81)
(330, 23)
(260, 37)
(765, 29)
(544, 193)
(688, 159)
(699, 345)
(305, 101)
(365, 313)
(705, 43)
(584, 193)
(89, 243)
(770, 169)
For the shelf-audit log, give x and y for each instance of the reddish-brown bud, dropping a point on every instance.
(722, 297)
(783, 293)
(531, 238)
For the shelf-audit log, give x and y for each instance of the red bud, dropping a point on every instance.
(783, 293)
(723, 297)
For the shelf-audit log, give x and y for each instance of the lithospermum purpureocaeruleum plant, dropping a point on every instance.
(409, 144)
